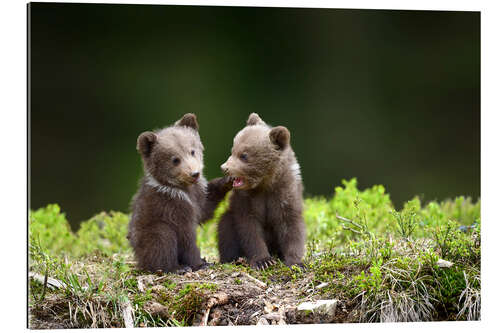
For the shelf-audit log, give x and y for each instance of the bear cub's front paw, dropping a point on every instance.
(263, 263)
(183, 270)
(227, 184)
(204, 264)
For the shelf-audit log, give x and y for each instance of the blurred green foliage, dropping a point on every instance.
(48, 227)
(104, 232)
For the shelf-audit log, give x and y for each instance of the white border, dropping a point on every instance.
(13, 138)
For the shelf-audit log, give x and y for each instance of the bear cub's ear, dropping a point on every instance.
(280, 136)
(254, 119)
(189, 120)
(145, 143)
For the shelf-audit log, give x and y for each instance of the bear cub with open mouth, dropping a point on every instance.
(173, 198)
(264, 217)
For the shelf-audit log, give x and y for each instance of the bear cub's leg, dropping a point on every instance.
(228, 241)
(157, 251)
(189, 253)
(292, 242)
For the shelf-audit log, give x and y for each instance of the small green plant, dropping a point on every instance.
(141, 298)
(358, 228)
(456, 245)
(444, 237)
(370, 282)
(406, 222)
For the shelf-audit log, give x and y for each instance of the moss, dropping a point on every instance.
(187, 303)
(141, 298)
(169, 284)
(208, 286)
(131, 283)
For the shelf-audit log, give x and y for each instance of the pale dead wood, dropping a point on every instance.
(144, 280)
(140, 285)
(128, 313)
(322, 285)
(204, 320)
(256, 313)
(51, 282)
(216, 299)
(272, 316)
(262, 321)
(70, 317)
(198, 281)
(256, 281)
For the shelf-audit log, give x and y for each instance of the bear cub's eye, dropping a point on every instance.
(192, 152)
(243, 157)
(176, 160)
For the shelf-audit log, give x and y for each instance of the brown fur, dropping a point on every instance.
(172, 199)
(265, 213)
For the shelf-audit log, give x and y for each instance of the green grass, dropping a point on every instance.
(381, 263)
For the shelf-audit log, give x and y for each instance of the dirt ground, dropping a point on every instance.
(237, 299)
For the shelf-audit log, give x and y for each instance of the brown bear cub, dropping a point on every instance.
(173, 198)
(264, 217)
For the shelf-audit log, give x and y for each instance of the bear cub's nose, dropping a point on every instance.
(224, 168)
(195, 175)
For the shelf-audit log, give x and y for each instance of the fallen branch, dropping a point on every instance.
(51, 283)
(128, 313)
(216, 299)
(198, 281)
(322, 285)
(273, 316)
(256, 281)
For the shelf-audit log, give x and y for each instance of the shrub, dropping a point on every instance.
(104, 232)
(49, 227)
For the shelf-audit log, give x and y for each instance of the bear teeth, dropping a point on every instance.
(238, 182)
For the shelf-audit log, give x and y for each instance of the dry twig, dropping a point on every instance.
(256, 281)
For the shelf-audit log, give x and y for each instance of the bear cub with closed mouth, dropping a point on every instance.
(264, 217)
(173, 199)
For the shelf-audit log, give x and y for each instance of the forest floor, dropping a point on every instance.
(365, 262)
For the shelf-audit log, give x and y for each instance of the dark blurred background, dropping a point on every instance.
(390, 97)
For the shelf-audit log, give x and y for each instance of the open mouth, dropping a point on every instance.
(238, 182)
